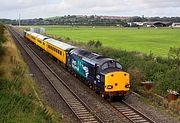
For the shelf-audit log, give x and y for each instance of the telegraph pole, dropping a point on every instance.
(19, 20)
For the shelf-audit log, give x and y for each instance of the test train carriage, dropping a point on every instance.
(102, 74)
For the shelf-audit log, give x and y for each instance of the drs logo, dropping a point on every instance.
(80, 68)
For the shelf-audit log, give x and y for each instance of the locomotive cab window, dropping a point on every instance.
(104, 66)
(111, 64)
(118, 65)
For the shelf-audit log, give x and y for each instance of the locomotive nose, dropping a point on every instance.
(117, 81)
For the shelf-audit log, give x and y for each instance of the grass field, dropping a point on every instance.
(146, 40)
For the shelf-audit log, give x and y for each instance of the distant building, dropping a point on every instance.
(157, 24)
(114, 17)
(176, 25)
(38, 30)
(150, 24)
(139, 23)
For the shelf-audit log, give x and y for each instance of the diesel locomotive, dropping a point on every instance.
(102, 74)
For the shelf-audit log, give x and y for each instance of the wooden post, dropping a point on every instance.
(147, 85)
(172, 95)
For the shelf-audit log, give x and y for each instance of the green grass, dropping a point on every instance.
(146, 40)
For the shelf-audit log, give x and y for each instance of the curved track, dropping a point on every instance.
(78, 107)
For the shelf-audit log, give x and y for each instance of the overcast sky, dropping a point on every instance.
(49, 8)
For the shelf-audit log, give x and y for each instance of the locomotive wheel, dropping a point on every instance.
(110, 98)
(104, 96)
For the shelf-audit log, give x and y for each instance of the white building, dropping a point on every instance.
(176, 25)
(38, 30)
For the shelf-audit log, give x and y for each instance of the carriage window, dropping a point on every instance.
(104, 66)
(33, 37)
(39, 41)
(118, 65)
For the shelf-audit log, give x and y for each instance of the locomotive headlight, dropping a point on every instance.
(127, 85)
(109, 86)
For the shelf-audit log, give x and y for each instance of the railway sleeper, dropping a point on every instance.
(134, 116)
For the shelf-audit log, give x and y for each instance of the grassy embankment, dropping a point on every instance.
(19, 96)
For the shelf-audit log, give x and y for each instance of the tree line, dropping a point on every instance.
(88, 20)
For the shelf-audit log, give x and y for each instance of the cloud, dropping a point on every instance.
(8, 5)
(45, 8)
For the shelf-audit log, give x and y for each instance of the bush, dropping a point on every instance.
(91, 43)
(136, 78)
(96, 44)
(174, 55)
(2, 50)
(174, 106)
(2, 71)
(18, 71)
(67, 39)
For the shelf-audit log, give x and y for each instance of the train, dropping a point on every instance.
(102, 74)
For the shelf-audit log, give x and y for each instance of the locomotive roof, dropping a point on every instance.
(91, 57)
(62, 45)
(102, 60)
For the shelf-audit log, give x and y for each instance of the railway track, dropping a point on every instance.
(78, 107)
(131, 113)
